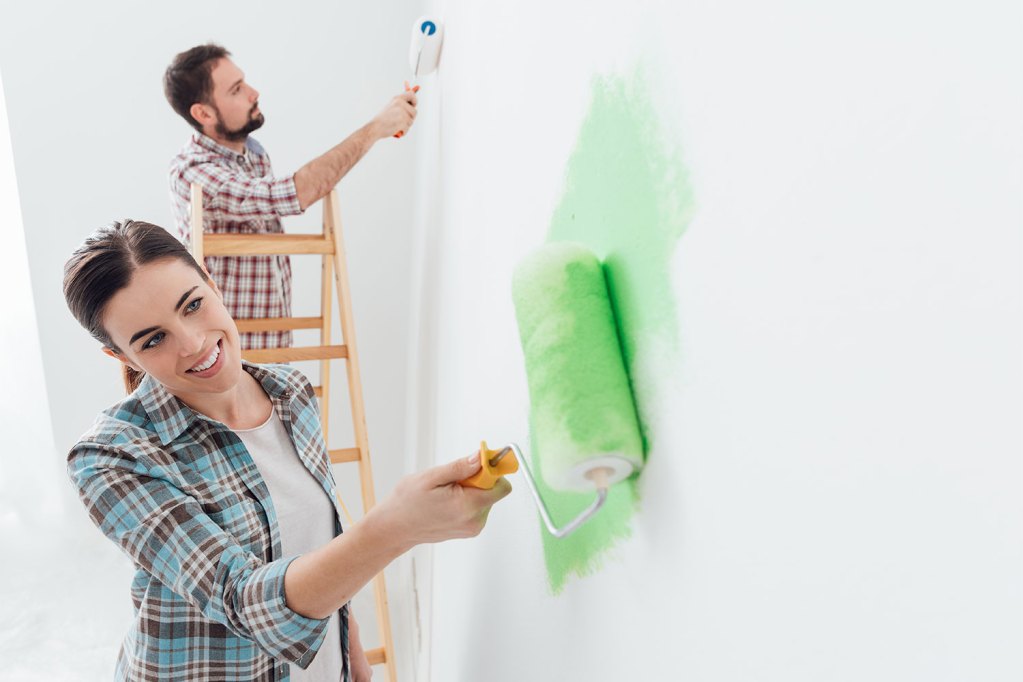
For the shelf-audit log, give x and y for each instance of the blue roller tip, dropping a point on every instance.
(428, 27)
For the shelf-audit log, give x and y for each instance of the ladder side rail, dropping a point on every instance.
(333, 213)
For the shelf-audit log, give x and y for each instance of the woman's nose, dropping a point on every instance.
(193, 344)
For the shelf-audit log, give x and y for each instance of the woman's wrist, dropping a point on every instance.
(394, 536)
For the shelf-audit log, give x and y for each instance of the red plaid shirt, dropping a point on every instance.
(240, 195)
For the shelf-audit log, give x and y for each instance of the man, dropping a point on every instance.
(240, 193)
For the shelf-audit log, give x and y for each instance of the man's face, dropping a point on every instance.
(235, 103)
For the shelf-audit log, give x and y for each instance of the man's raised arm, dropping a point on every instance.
(315, 179)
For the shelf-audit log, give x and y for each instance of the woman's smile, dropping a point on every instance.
(211, 365)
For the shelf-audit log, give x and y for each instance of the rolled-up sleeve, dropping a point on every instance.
(236, 196)
(167, 533)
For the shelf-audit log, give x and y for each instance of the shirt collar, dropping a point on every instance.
(170, 416)
(208, 143)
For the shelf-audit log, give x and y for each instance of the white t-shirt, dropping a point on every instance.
(305, 517)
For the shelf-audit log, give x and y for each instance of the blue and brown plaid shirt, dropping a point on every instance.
(180, 494)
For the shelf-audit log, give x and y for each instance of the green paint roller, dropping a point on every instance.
(584, 421)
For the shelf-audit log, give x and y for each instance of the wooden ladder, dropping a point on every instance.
(330, 245)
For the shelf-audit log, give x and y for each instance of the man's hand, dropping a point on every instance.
(397, 117)
(319, 176)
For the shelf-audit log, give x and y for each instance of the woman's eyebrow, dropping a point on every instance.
(141, 334)
(137, 335)
(184, 296)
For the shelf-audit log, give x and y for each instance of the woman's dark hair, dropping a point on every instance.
(187, 80)
(104, 264)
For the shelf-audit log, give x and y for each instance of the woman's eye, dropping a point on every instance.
(154, 340)
(194, 305)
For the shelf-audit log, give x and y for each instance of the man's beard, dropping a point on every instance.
(242, 133)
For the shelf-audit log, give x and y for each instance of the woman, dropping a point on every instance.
(212, 475)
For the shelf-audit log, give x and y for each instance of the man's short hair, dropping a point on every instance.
(187, 80)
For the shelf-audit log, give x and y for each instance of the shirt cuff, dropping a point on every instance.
(287, 635)
(284, 194)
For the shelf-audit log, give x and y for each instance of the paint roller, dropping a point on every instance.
(424, 52)
(584, 421)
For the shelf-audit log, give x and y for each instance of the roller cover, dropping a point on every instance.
(582, 409)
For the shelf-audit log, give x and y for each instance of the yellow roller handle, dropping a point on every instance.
(489, 474)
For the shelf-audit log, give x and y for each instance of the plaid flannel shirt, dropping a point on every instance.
(240, 195)
(182, 497)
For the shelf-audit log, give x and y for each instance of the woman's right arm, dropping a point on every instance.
(427, 507)
(167, 533)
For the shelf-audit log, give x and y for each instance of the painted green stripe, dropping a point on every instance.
(627, 197)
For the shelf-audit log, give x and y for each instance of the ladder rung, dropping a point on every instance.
(345, 455)
(262, 355)
(264, 244)
(276, 324)
(376, 656)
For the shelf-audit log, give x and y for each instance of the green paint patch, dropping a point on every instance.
(627, 197)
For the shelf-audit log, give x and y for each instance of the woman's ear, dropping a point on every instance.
(116, 355)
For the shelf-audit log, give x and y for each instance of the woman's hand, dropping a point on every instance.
(427, 507)
(431, 506)
(361, 670)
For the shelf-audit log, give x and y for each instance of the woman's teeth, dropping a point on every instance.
(209, 361)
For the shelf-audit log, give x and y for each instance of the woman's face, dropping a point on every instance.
(171, 323)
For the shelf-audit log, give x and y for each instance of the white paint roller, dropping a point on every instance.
(424, 52)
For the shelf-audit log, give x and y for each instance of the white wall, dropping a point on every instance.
(92, 137)
(834, 493)
(53, 601)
